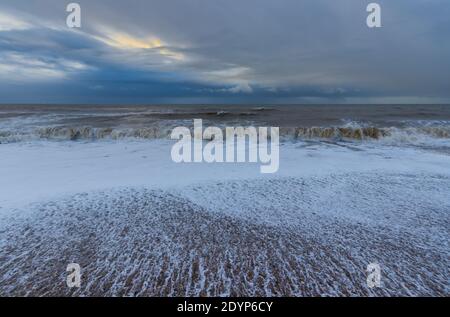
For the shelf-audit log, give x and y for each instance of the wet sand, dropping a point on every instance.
(236, 241)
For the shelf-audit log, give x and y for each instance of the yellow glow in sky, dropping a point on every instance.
(125, 41)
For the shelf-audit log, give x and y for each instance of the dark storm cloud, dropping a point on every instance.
(225, 51)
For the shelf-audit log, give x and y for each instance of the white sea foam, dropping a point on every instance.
(49, 168)
(140, 224)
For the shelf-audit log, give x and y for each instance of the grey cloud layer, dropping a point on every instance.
(227, 50)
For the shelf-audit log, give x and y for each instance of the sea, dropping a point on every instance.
(358, 186)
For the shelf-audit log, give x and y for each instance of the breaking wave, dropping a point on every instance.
(346, 132)
(83, 133)
(364, 133)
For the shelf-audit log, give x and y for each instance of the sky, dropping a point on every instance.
(225, 51)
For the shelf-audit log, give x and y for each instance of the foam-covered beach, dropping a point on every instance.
(141, 225)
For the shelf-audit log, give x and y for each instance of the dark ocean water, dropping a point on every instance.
(25, 122)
